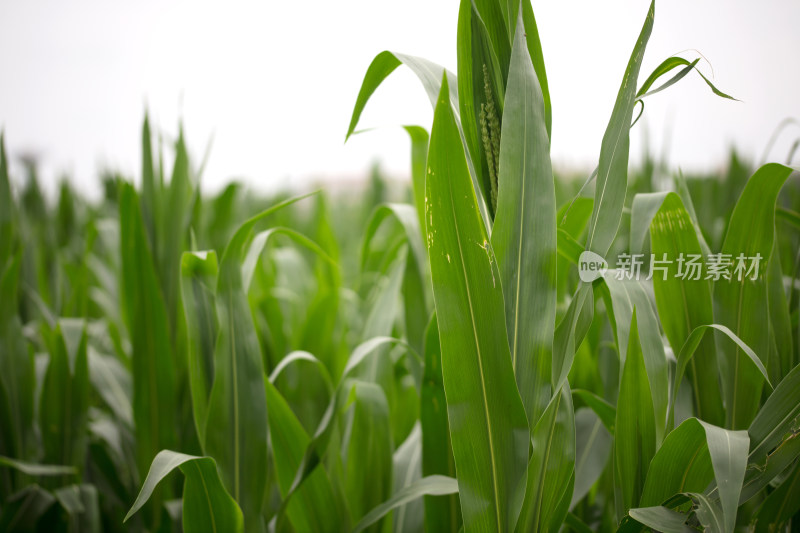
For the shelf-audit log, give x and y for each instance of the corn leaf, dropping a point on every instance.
(742, 304)
(430, 486)
(488, 427)
(635, 428)
(612, 176)
(524, 232)
(441, 512)
(207, 506)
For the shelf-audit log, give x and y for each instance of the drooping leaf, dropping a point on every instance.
(430, 486)
(207, 506)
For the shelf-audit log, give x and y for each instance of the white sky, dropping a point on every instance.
(275, 82)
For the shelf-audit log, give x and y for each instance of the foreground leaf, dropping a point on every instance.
(207, 506)
(488, 426)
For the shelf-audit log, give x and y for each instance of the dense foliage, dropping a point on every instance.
(432, 358)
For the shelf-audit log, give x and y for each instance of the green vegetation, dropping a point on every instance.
(433, 359)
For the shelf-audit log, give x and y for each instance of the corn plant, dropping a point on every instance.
(461, 354)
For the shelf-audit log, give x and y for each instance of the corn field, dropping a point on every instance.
(494, 347)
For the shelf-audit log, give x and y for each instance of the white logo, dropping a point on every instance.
(591, 266)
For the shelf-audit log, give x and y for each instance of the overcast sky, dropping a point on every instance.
(274, 82)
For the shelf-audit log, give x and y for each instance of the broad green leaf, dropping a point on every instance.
(612, 176)
(780, 505)
(759, 476)
(37, 469)
(592, 451)
(419, 157)
(488, 427)
(198, 281)
(782, 343)
(683, 303)
(442, 513)
(318, 445)
(776, 417)
(635, 428)
(728, 450)
(207, 506)
(176, 212)
(742, 304)
(429, 74)
(606, 412)
(427, 486)
(551, 467)
(689, 349)
(571, 331)
(314, 507)
(367, 450)
(17, 376)
(409, 516)
(681, 464)
(524, 232)
(537, 57)
(64, 403)
(625, 295)
(146, 316)
(415, 298)
(663, 519)
(112, 381)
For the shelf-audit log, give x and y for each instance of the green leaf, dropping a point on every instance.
(198, 281)
(660, 518)
(776, 417)
(36, 469)
(625, 295)
(146, 315)
(427, 486)
(606, 412)
(442, 513)
(430, 74)
(488, 427)
(64, 402)
(24, 510)
(635, 433)
(683, 303)
(419, 157)
(681, 464)
(17, 377)
(314, 507)
(780, 505)
(551, 467)
(742, 304)
(524, 232)
(415, 298)
(593, 447)
(689, 349)
(207, 506)
(112, 381)
(368, 450)
(613, 169)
